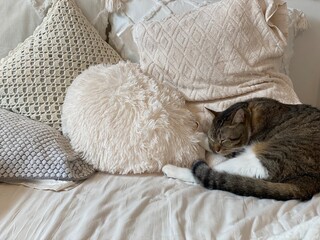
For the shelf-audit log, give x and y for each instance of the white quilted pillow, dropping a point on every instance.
(221, 53)
(135, 11)
(123, 121)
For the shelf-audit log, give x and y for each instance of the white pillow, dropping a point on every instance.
(298, 22)
(221, 53)
(18, 21)
(94, 10)
(35, 75)
(136, 11)
(123, 121)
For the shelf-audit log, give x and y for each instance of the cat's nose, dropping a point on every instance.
(218, 148)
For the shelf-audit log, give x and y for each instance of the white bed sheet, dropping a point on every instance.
(150, 207)
(154, 207)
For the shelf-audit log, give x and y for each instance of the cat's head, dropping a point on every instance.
(230, 130)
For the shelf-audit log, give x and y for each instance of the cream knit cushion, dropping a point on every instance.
(34, 76)
(219, 54)
(135, 11)
(94, 10)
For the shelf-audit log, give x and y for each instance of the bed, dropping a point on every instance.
(83, 204)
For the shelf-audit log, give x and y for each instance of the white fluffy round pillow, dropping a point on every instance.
(123, 121)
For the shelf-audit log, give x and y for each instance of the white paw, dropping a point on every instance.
(183, 174)
(169, 170)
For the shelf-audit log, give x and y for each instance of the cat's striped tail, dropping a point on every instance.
(295, 189)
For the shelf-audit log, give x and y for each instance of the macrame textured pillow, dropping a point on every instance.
(123, 121)
(33, 150)
(94, 10)
(34, 76)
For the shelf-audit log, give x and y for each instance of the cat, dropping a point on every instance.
(267, 149)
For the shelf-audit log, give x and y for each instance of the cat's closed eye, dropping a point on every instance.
(227, 142)
(235, 138)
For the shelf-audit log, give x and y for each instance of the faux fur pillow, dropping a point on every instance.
(123, 121)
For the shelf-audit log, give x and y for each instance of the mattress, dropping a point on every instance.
(150, 207)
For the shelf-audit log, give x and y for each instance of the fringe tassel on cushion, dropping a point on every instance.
(114, 5)
(41, 6)
(303, 23)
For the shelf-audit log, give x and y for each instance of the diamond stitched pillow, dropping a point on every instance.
(35, 75)
(33, 150)
(221, 52)
(135, 11)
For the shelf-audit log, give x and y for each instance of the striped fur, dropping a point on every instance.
(286, 140)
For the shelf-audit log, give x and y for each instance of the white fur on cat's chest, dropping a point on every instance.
(246, 165)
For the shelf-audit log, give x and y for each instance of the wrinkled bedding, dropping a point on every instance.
(150, 207)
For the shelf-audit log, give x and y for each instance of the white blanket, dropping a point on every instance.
(150, 207)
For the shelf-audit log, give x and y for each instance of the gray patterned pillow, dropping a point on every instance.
(33, 150)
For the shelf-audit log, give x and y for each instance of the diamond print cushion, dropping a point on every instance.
(33, 150)
(135, 11)
(35, 75)
(221, 53)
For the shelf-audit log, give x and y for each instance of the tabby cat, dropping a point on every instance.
(269, 150)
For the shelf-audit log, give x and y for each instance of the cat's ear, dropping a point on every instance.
(239, 116)
(213, 113)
